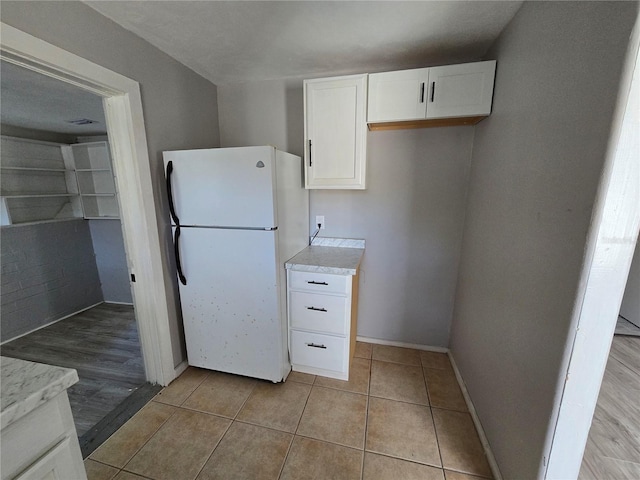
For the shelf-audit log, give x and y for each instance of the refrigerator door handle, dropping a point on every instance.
(172, 209)
(176, 246)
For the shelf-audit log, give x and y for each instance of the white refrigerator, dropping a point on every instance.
(237, 215)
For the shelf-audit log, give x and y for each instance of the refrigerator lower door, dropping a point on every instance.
(233, 319)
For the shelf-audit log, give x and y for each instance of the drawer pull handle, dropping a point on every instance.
(316, 346)
(315, 309)
(313, 282)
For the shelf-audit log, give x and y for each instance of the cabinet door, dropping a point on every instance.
(461, 90)
(397, 96)
(335, 132)
(62, 462)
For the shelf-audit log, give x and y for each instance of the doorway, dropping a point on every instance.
(66, 295)
(125, 123)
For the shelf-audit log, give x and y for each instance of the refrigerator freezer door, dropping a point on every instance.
(230, 187)
(233, 321)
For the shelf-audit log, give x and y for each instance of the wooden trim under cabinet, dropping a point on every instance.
(435, 122)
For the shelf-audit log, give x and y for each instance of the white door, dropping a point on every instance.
(461, 90)
(395, 96)
(231, 187)
(233, 321)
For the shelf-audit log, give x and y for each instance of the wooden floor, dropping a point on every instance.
(613, 448)
(102, 344)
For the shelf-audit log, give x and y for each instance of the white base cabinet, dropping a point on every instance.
(43, 444)
(322, 322)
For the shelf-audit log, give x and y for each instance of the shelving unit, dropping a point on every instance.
(96, 185)
(38, 182)
(51, 181)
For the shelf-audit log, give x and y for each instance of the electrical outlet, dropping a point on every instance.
(320, 221)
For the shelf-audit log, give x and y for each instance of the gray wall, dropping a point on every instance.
(535, 169)
(411, 213)
(111, 260)
(180, 107)
(48, 272)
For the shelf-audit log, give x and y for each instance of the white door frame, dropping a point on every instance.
(127, 139)
(610, 246)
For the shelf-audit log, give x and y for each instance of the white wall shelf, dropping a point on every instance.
(48, 181)
(34, 169)
(38, 182)
(40, 195)
(96, 185)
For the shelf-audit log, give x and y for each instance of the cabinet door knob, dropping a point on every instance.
(317, 309)
(433, 90)
(422, 93)
(315, 346)
(313, 282)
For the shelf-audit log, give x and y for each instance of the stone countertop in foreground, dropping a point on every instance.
(338, 256)
(24, 386)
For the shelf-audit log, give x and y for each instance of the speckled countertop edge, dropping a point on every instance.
(24, 386)
(338, 256)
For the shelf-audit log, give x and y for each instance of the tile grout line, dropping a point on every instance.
(293, 437)
(148, 440)
(214, 449)
(143, 444)
(433, 421)
(231, 422)
(366, 422)
(284, 460)
(415, 462)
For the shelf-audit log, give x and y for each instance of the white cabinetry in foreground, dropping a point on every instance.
(39, 439)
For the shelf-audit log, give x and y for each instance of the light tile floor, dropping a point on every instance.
(400, 416)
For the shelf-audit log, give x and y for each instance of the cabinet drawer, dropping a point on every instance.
(319, 282)
(319, 351)
(323, 313)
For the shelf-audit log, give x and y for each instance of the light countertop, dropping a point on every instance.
(24, 386)
(338, 256)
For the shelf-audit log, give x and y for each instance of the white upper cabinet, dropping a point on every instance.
(460, 92)
(335, 132)
(396, 96)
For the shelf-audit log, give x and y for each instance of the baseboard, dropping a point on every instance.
(476, 421)
(415, 346)
(51, 323)
(119, 303)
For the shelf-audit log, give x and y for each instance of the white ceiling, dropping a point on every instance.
(32, 100)
(241, 41)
